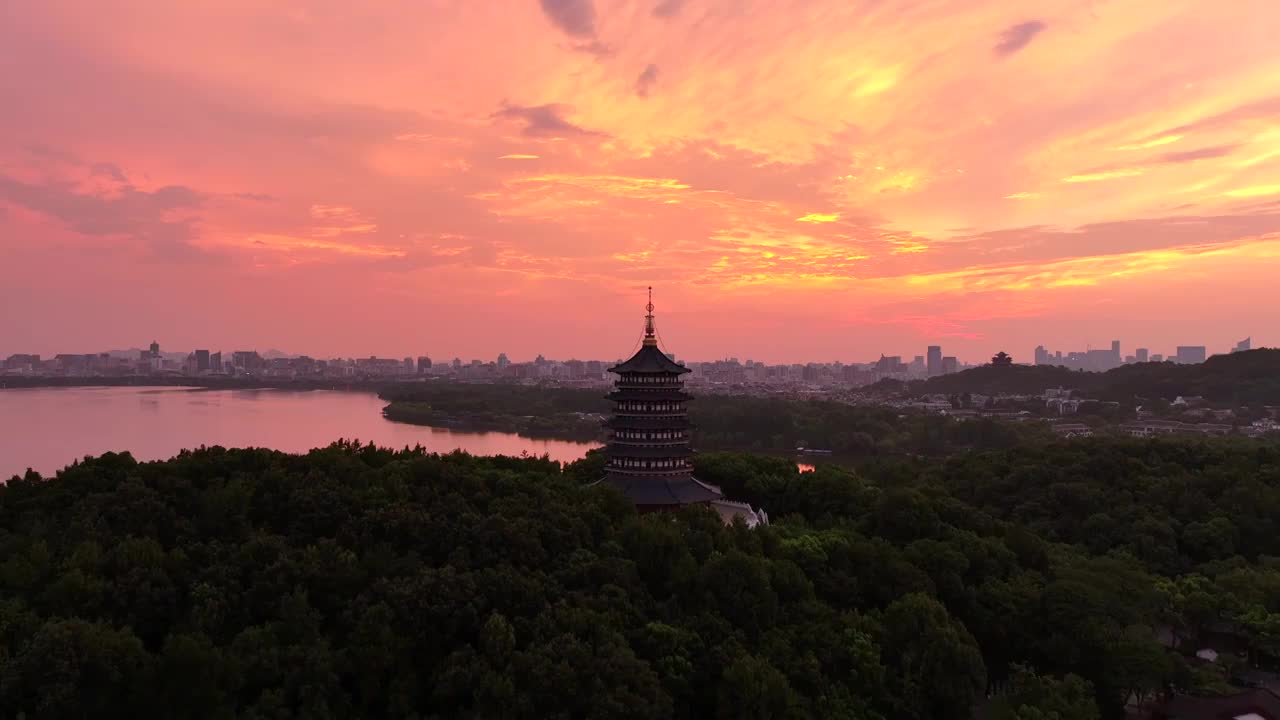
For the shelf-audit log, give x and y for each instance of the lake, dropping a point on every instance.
(48, 428)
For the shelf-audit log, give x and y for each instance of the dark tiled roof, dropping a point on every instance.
(649, 359)
(664, 491)
(655, 394)
(637, 422)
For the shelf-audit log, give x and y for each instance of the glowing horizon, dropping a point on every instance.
(817, 181)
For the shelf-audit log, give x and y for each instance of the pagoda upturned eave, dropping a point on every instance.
(629, 393)
(649, 360)
(648, 422)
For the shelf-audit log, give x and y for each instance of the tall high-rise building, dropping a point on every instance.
(155, 349)
(424, 364)
(202, 360)
(1042, 356)
(1243, 346)
(934, 361)
(1116, 358)
(950, 365)
(1190, 354)
(1141, 354)
(215, 362)
(503, 361)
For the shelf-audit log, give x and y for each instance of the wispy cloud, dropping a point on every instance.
(573, 17)
(1103, 175)
(1154, 142)
(1253, 191)
(819, 218)
(668, 8)
(545, 121)
(1017, 37)
(647, 78)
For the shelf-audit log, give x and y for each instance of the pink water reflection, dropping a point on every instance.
(47, 428)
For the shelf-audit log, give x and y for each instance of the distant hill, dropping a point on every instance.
(1012, 379)
(1244, 377)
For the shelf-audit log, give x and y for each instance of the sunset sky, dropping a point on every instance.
(800, 180)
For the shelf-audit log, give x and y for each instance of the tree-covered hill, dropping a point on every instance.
(722, 422)
(355, 581)
(1239, 378)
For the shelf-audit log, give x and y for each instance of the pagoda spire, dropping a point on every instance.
(650, 338)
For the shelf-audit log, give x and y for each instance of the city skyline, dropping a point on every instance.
(806, 182)
(1113, 354)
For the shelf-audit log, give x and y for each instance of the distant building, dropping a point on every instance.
(1140, 355)
(934, 362)
(246, 360)
(1072, 430)
(950, 364)
(1001, 359)
(1190, 354)
(22, 363)
(424, 364)
(1157, 358)
(1150, 428)
(503, 362)
(1043, 357)
(215, 362)
(155, 349)
(1244, 345)
(1115, 354)
(383, 367)
(202, 360)
(890, 364)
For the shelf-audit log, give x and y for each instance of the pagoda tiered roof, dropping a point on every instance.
(659, 491)
(649, 359)
(644, 422)
(631, 393)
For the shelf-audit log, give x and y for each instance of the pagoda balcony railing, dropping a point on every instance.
(662, 444)
(651, 472)
(640, 436)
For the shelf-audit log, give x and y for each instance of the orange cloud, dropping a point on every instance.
(1103, 175)
(819, 218)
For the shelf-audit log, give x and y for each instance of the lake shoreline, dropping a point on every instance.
(47, 429)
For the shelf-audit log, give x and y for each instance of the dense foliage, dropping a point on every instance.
(777, 424)
(569, 413)
(1235, 379)
(721, 421)
(360, 582)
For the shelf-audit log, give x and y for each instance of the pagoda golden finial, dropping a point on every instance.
(649, 337)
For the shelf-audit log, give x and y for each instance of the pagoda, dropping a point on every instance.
(649, 458)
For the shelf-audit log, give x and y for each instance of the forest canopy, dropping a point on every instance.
(357, 581)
